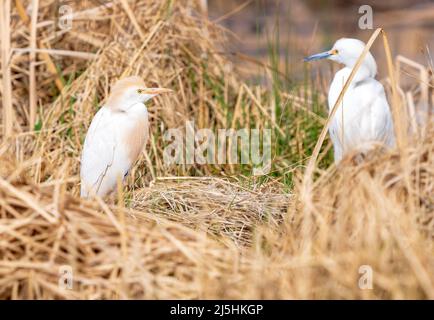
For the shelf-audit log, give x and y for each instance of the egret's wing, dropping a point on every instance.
(98, 151)
(381, 120)
(336, 140)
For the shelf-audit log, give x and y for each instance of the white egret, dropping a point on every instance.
(116, 136)
(363, 119)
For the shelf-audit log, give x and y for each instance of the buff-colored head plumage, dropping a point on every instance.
(130, 91)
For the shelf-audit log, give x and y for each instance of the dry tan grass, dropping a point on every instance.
(211, 238)
(191, 237)
(180, 49)
(220, 207)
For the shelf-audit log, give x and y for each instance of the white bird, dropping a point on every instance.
(363, 119)
(116, 136)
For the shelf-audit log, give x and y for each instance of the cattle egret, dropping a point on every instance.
(116, 136)
(363, 119)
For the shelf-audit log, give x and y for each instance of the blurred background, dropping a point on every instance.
(284, 31)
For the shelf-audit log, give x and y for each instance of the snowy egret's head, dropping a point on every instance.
(130, 91)
(346, 51)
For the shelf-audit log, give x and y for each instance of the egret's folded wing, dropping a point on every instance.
(98, 151)
(336, 140)
(382, 123)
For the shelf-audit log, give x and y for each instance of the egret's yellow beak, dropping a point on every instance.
(154, 91)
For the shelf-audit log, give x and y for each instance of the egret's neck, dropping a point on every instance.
(368, 68)
(138, 109)
(119, 103)
(362, 74)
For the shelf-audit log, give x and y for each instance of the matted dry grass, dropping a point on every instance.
(217, 206)
(192, 237)
(212, 238)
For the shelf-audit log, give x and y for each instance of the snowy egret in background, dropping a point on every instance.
(363, 119)
(116, 136)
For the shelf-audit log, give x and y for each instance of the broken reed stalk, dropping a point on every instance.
(21, 11)
(204, 6)
(401, 135)
(423, 78)
(133, 19)
(32, 75)
(5, 19)
(398, 115)
(66, 53)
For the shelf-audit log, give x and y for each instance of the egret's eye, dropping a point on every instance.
(139, 91)
(335, 51)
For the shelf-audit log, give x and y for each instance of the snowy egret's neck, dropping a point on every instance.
(368, 68)
(362, 74)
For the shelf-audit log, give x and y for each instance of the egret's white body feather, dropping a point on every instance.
(116, 136)
(363, 119)
(106, 152)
